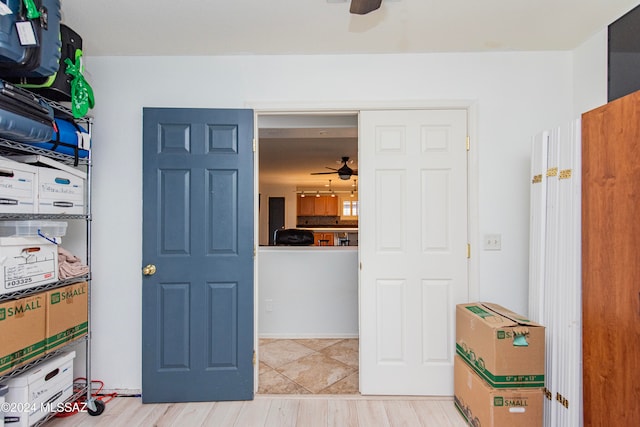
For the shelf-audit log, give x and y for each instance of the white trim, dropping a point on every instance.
(304, 336)
(473, 217)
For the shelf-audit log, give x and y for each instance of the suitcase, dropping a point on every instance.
(58, 86)
(11, 51)
(24, 117)
(43, 58)
(67, 139)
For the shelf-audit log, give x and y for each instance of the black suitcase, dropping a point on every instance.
(58, 86)
(40, 23)
(24, 117)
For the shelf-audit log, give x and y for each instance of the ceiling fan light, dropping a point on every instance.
(344, 176)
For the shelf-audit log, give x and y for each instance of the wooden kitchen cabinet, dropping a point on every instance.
(323, 239)
(326, 206)
(306, 206)
(317, 206)
(610, 273)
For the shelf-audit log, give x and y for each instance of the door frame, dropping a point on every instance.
(279, 108)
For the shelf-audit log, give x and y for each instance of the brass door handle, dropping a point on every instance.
(149, 270)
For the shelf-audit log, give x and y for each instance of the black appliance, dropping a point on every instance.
(293, 237)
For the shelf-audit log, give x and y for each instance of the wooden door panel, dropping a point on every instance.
(197, 314)
(610, 274)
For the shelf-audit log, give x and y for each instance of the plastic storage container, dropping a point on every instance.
(32, 228)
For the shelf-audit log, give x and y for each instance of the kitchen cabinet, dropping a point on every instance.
(610, 274)
(317, 206)
(326, 206)
(323, 239)
(306, 206)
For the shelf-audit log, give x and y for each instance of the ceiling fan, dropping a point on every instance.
(345, 172)
(362, 7)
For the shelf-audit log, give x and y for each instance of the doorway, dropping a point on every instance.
(307, 318)
(414, 175)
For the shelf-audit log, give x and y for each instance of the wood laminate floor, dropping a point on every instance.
(276, 411)
(302, 383)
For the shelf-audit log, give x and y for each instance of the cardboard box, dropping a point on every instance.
(27, 262)
(40, 390)
(67, 315)
(18, 187)
(482, 405)
(22, 331)
(504, 348)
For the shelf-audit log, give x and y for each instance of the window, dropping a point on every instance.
(349, 208)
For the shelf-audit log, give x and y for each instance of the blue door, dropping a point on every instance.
(197, 254)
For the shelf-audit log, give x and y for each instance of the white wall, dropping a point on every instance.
(290, 208)
(308, 292)
(515, 95)
(590, 74)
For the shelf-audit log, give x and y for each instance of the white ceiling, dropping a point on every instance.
(230, 27)
(257, 27)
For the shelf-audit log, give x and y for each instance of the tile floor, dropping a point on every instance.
(308, 366)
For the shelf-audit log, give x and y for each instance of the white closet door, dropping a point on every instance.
(413, 248)
(538, 217)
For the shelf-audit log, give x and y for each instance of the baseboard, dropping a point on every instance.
(307, 336)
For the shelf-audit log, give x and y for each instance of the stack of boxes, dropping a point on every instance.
(39, 324)
(42, 322)
(499, 367)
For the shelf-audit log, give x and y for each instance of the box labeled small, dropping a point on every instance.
(22, 330)
(481, 405)
(67, 315)
(504, 348)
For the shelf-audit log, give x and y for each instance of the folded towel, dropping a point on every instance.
(70, 265)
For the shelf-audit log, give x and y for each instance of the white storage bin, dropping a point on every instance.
(60, 192)
(3, 391)
(32, 228)
(39, 390)
(18, 187)
(27, 262)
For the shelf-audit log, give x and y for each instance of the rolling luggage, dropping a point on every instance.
(34, 49)
(58, 86)
(24, 117)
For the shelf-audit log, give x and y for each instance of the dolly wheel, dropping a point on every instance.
(99, 408)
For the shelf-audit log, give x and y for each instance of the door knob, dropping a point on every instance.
(149, 270)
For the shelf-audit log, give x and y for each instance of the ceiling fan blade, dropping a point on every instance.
(362, 7)
(322, 173)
